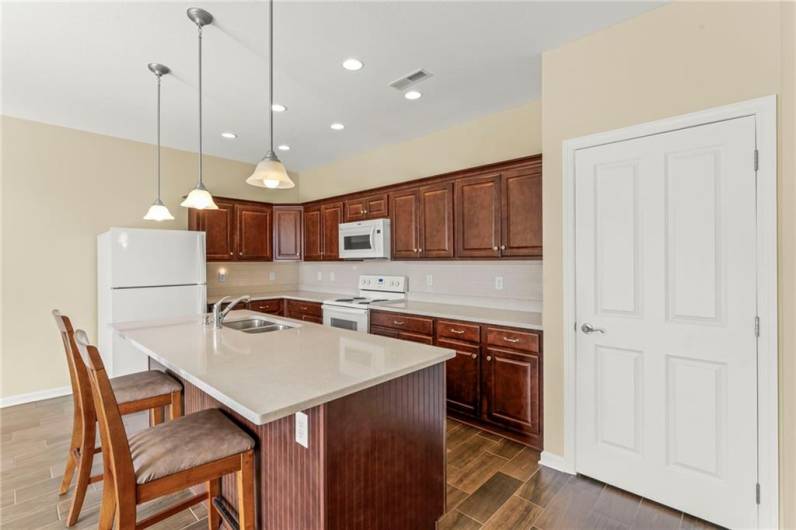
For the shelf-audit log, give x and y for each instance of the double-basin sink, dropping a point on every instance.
(256, 325)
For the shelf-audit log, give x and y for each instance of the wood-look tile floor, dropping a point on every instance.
(493, 483)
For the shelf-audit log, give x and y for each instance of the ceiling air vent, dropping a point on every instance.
(411, 79)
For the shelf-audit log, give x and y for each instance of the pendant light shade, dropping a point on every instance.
(158, 210)
(199, 197)
(270, 171)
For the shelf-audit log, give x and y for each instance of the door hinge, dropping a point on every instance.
(757, 326)
(757, 159)
(757, 493)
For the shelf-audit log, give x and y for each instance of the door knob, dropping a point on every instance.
(588, 328)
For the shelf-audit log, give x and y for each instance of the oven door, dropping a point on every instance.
(345, 318)
(360, 242)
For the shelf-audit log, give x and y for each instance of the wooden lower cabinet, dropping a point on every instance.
(275, 306)
(301, 310)
(495, 380)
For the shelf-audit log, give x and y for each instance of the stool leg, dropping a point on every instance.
(155, 416)
(85, 462)
(108, 507)
(246, 491)
(175, 410)
(71, 459)
(213, 491)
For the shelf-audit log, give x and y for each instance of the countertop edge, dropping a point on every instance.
(464, 318)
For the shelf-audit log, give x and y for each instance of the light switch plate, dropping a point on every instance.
(222, 276)
(429, 280)
(302, 429)
(331, 276)
(272, 276)
(320, 276)
(499, 283)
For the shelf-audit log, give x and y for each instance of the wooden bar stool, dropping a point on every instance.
(170, 457)
(151, 390)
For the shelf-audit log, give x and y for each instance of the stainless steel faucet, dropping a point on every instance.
(219, 314)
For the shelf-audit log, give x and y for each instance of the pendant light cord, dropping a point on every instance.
(200, 106)
(271, 73)
(157, 156)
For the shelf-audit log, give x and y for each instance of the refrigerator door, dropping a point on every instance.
(147, 304)
(151, 258)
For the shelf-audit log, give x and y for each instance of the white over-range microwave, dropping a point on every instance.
(365, 239)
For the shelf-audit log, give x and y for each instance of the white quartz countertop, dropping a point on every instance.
(306, 296)
(484, 315)
(267, 376)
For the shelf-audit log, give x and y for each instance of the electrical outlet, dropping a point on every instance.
(429, 280)
(272, 276)
(331, 276)
(320, 276)
(222, 275)
(499, 283)
(302, 429)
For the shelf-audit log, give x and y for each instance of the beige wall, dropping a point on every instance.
(680, 58)
(504, 135)
(61, 187)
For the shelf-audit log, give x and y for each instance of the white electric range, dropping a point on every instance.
(352, 312)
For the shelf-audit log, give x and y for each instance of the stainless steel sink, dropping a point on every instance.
(255, 325)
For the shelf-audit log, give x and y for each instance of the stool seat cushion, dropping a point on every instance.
(185, 443)
(142, 385)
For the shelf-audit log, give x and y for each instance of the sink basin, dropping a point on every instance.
(255, 325)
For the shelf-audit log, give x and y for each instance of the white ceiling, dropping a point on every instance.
(83, 65)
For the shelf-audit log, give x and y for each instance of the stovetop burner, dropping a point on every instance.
(366, 302)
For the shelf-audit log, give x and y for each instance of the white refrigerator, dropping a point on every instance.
(145, 274)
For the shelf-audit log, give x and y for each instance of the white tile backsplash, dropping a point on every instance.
(464, 282)
(249, 277)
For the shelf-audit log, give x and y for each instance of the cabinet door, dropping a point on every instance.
(462, 376)
(405, 213)
(219, 228)
(313, 251)
(522, 212)
(436, 221)
(478, 217)
(331, 217)
(254, 232)
(377, 207)
(355, 210)
(287, 232)
(513, 389)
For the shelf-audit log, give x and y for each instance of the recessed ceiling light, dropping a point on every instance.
(276, 107)
(337, 126)
(413, 95)
(229, 135)
(352, 64)
(284, 147)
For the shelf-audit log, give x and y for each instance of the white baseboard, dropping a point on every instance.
(556, 462)
(50, 393)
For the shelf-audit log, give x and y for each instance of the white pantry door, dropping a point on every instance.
(665, 272)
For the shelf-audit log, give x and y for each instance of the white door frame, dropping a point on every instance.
(765, 112)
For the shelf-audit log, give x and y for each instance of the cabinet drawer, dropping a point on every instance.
(402, 322)
(312, 318)
(415, 337)
(384, 332)
(509, 338)
(267, 306)
(297, 308)
(458, 330)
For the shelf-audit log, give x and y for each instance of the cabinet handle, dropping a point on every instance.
(511, 340)
(303, 308)
(457, 331)
(398, 322)
(475, 356)
(488, 357)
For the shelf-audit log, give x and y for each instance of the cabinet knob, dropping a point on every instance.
(420, 250)
(414, 250)
(494, 248)
(240, 253)
(475, 356)
(488, 357)
(364, 211)
(502, 247)
(231, 253)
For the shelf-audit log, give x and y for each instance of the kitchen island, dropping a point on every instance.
(375, 417)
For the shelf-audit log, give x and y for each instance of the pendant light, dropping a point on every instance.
(270, 172)
(199, 197)
(158, 211)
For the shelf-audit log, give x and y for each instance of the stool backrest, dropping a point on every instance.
(115, 449)
(78, 375)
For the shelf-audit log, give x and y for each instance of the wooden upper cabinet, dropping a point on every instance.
(331, 217)
(313, 250)
(522, 212)
(254, 231)
(405, 223)
(436, 221)
(478, 214)
(219, 228)
(362, 208)
(287, 232)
